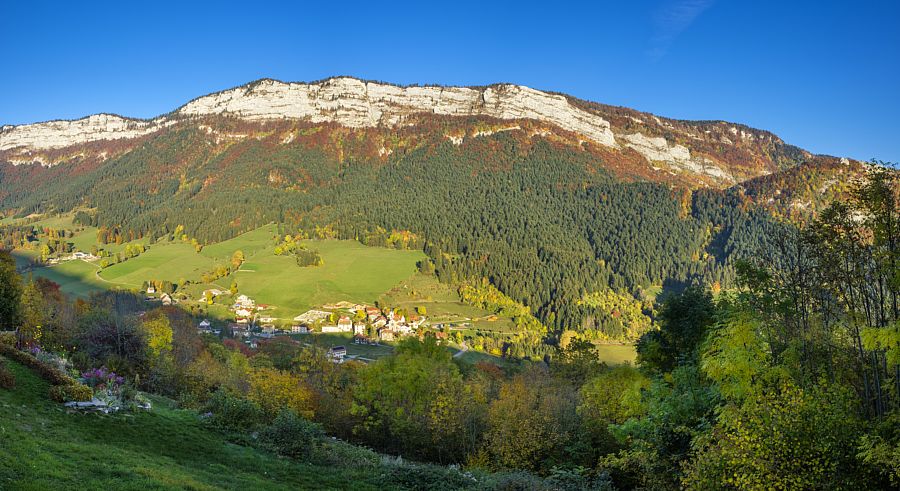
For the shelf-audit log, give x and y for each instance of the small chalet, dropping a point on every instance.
(337, 354)
(386, 335)
(345, 324)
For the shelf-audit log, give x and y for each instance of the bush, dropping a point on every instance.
(74, 392)
(235, 414)
(7, 379)
(8, 338)
(291, 436)
(49, 373)
(342, 454)
(400, 474)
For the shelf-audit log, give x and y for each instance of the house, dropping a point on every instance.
(330, 329)
(239, 331)
(396, 320)
(204, 324)
(243, 313)
(386, 335)
(372, 313)
(415, 321)
(268, 329)
(212, 293)
(337, 354)
(245, 302)
(298, 329)
(345, 324)
(151, 289)
(266, 319)
(262, 306)
(380, 321)
(166, 299)
(359, 329)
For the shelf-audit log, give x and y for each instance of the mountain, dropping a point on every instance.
(550, 198)
(712, 153)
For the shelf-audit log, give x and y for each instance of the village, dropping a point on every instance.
(369, 325)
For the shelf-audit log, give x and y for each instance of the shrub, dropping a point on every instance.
(339, 453)
(49, 373)
(400, 474)
(230, 413)
(291, 436)
(7, 379)
(74, 392)
(8, 338)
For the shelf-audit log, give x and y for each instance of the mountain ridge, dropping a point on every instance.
(714, 153)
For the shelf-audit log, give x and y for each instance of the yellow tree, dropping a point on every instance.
(274, 390)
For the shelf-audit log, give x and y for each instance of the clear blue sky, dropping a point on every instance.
(823, 75)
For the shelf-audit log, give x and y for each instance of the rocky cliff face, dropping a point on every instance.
(678, 148)
(60, 134)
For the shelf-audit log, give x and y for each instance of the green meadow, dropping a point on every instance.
(77, 278)
(167, 261)
(351, 272)
(164, 449)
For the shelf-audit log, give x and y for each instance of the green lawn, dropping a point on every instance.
(43, 447)
(172, 261)
(74, 277)
(351, 272)
(617, 354)
(249, 243)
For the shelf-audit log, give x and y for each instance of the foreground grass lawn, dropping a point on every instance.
(43, 447)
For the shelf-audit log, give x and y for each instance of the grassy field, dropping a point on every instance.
(250, 243)
(43, 447)
(442, 304)
(76, 278)
(617, 354)
(351, 272)
(173, 262)
(368, 352)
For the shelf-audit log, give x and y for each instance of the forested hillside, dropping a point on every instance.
(545, 222)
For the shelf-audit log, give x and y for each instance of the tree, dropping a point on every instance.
(237, 259)
(10, 292)
(274, 390)
(234, 287)
(783, 437)
(33, 312)
(529, 421)
(684, 320)
(158, 331)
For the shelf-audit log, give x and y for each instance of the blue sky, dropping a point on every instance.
(822, 75)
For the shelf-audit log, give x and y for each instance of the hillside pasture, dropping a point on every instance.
(172, 261)
(78, 278)
(250, 243)
(351, 272)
